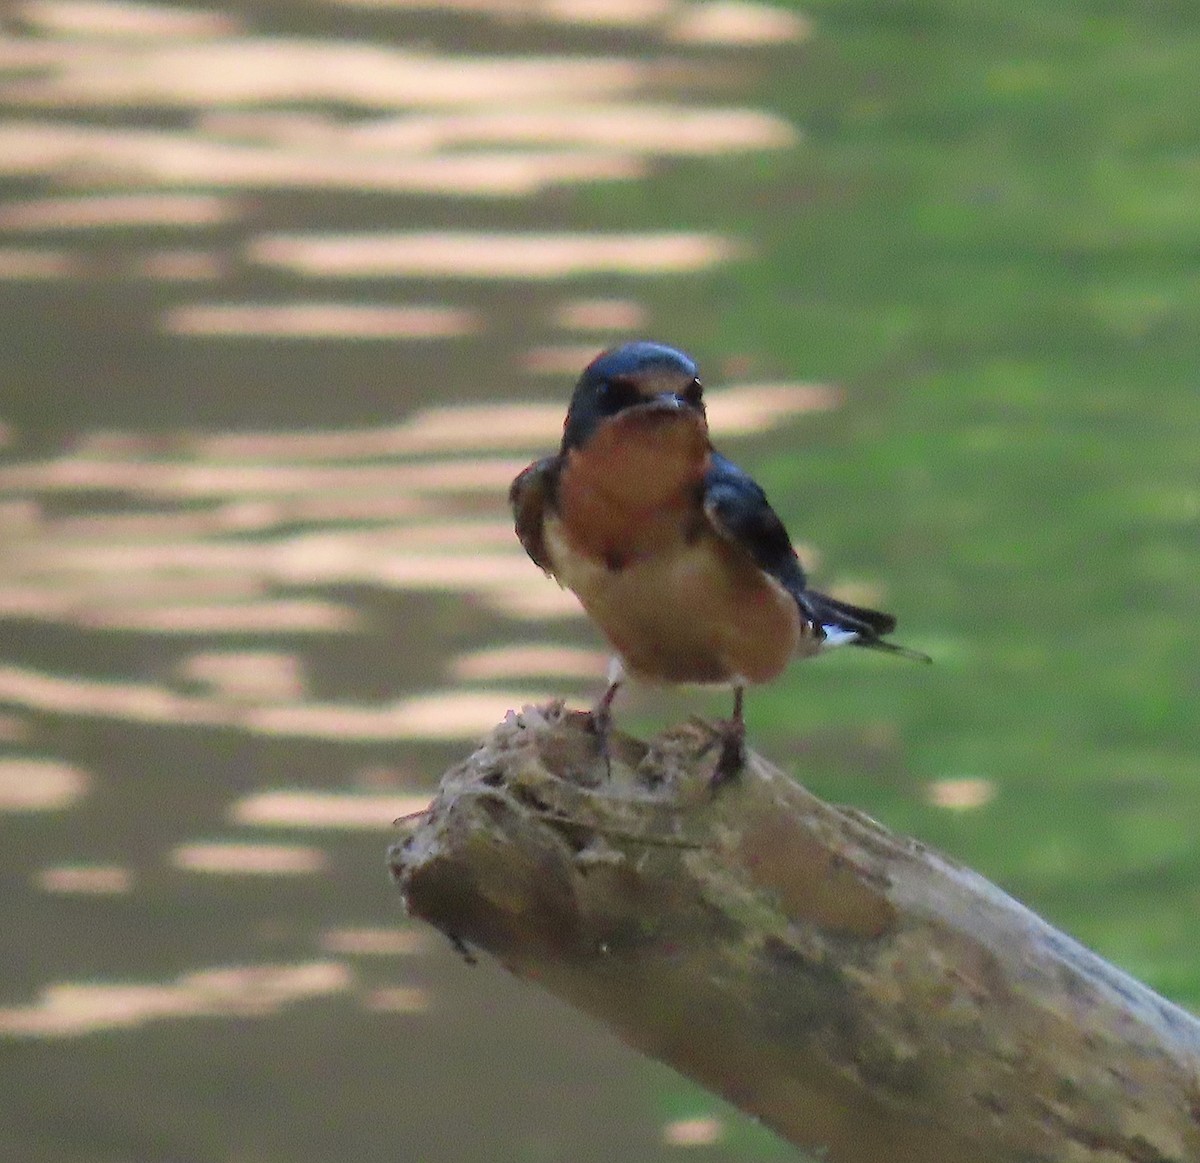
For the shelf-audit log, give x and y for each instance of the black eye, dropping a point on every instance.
(615, 394)
(693, 393)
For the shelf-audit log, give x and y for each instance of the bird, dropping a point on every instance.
(674, 551)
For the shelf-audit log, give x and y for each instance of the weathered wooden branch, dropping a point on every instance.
(869, 999)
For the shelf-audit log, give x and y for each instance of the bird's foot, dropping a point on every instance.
(731, 734)
(602, 718)
(600, 721)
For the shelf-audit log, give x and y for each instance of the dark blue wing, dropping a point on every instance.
(739, 511)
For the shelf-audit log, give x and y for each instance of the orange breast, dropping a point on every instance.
(637, 477)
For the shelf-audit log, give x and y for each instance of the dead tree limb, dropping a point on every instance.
(869, 999)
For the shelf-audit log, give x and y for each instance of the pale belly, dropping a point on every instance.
(692, 611)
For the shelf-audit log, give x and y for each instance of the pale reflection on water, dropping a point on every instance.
(122, 19)
(341, 810)
(25, 263)
(40, 785)
(320, 321)
(458, 254)
(237, 859)
(251, 991)
(86, 879)
(235, 652)
(89, 212)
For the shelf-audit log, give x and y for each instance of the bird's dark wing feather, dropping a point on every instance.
(739, 511)
(845, 616)
(868, 626)
(528, 497)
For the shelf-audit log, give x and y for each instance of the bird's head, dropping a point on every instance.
(635, 375)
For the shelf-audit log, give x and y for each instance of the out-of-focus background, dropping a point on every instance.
(289, 291)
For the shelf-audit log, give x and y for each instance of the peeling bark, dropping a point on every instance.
(869, 999)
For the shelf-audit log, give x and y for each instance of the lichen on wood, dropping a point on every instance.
(869, 999)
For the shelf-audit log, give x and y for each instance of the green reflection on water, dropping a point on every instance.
(989, 237)
(986, 238)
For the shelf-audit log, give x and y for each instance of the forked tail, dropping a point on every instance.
(848, 625)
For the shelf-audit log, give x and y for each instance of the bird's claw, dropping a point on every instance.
(601, 714)
(731, 733)
(600, 721)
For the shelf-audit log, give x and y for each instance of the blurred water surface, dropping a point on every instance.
(289, 293)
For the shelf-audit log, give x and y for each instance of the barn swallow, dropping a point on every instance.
(674, 551)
